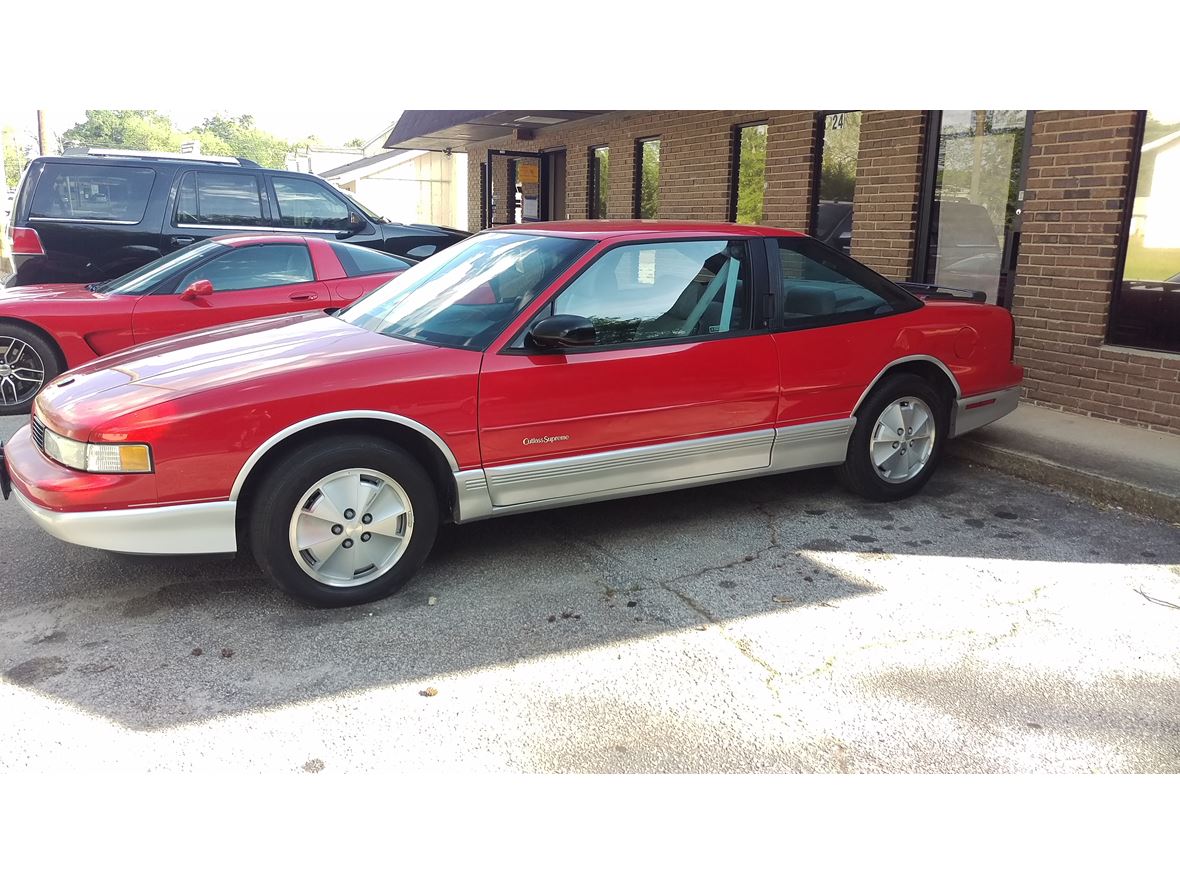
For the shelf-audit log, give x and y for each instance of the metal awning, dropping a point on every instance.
(455, 130)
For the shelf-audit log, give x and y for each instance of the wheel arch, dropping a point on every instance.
(929, 368)
(422, 443)
(43, 332)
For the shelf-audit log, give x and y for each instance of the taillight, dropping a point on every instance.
(26, 242)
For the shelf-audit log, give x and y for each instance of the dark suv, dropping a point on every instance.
(95, 216)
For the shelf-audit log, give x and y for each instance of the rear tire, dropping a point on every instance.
(344, 521)
(897, 443)
(28, 361)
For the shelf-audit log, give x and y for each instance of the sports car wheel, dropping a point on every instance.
(27, 361)
(344, 521)
(897, 442)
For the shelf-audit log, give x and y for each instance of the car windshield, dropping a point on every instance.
(144, 279)
(464, 296)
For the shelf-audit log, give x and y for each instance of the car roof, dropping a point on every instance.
(634, 227)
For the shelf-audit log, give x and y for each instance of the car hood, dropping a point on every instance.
(223, 355)
(51, 292)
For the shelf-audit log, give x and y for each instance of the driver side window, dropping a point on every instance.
(663, 291)
(254, 267)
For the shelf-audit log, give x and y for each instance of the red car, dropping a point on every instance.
(46, 329)
(527, 367)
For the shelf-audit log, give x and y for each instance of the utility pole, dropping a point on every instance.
(44, 139)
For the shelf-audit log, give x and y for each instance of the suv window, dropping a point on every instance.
(663, 291)
(358, 261)
(308, 206)
(823, 287)
(80, 192)
(219, 199)
(254, 267)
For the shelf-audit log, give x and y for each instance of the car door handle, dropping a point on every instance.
(304, 296)
(177, 242)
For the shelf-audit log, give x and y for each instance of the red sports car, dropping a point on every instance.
(48, 328)
(524, 368)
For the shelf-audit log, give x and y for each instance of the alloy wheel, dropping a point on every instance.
(902, 440)
(21, 371)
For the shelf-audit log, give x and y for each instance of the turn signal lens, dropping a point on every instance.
(102, 458)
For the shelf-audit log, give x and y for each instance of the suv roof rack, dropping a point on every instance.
(167, 155)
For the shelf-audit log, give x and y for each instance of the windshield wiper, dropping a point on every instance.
(97, 287)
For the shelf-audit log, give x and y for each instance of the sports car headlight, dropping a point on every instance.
(98, 457)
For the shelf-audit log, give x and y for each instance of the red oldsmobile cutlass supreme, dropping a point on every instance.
(527, 367)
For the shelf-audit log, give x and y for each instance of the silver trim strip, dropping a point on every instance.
(329, 418)
(818, 444)
(580, 475)
(174, 529)
(295, 231)
(965, 419)
(913, 358)
(83, 220)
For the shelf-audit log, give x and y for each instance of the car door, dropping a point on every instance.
(248, 282)
(682, 382)
(215, 201)
(838, 326)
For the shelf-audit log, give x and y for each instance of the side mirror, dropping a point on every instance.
(355, 225)
(563, 330)
(197, 289)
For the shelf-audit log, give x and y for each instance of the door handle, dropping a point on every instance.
(177, 242)
(303, 296)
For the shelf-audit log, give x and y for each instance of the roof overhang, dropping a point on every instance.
(456, 130)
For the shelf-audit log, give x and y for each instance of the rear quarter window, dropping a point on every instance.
(358, 261)
(90, 192)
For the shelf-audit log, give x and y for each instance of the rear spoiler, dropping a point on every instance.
(933, 292)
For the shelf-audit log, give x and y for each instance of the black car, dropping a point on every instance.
(98, 215)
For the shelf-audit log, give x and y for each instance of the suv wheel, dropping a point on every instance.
(344, 521)
(27, 362)
(898, 440)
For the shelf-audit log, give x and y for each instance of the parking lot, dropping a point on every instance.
(784, 625)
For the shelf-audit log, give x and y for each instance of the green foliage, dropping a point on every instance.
(840, 149)
(602, 178)
(16, 157)
(751, 175)
(153, 131)
(649, 180)
(355, 143)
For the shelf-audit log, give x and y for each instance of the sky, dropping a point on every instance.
(334, 123)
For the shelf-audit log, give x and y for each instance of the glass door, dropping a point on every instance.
(514, 188)
(970, 230)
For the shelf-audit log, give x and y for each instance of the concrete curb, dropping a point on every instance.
(1095, 487)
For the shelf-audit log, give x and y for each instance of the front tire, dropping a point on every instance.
(28, 361)
(897, 443)
(344, 521)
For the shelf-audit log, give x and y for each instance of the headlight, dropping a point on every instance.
(98, 457)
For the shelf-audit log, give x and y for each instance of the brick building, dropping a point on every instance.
(1071, 219)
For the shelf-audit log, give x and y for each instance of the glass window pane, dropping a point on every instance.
(358, 261)
(1146, 312)
(599, 180)
(662, 290)
(751, 175)
(92, 193)
(228, 200)
(975, 190)
(648, 197)
(308, 206)
(836, 190)
(254, 267)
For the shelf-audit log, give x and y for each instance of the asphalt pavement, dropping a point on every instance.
(988, 624)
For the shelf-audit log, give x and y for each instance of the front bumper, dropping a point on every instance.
(206, 527)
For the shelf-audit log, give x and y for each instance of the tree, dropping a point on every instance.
(16, 157)
(243, 139)
(355, 143)
(134, 130)
(751, 175)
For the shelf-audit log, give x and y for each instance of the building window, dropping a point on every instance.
(976, 191)
(749, 195)
(835, 191)
(647, 185)
(599, 180)
(1146, 307)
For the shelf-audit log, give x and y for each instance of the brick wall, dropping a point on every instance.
(1075, 197)
(888, 186)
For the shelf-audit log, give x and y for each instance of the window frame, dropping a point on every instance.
(817, 167)
(173, 283)
(41, 179)
(263, 201)
(277, 212)
(760, 319)
(735, 161)
(640, 143)
(908, 301)
(592, 180)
